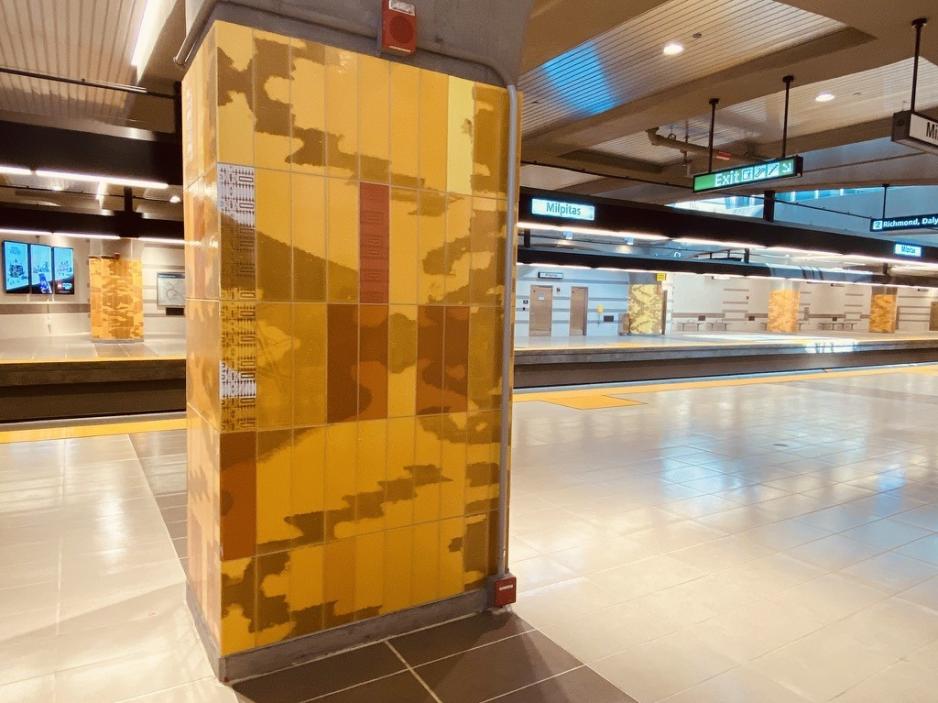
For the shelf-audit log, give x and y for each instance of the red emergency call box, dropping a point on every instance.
(398, 27)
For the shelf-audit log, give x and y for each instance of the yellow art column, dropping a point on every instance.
(115, 299)
(345, 225)
(646, 303)
(783, 307)
(883, 308)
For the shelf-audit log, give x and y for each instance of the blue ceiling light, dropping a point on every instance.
(578, 80)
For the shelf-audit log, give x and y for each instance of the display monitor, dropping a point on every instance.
(15, 267)
(40, 268)
(63, 261)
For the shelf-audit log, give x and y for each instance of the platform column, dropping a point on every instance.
(345, 228)
(784, 300)
(883, 309)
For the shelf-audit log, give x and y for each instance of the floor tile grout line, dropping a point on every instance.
(478, 646)
(353, 648)
(352, 686)
(535, 683)
(413, 672)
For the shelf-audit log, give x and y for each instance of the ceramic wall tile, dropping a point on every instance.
(308, 237)
(341, 106)
(374, 127)
(273, 226)
(272, 94)
(404, 127)
(307, 106)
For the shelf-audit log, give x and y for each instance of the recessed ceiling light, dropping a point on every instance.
(672, 48)
(824, 97)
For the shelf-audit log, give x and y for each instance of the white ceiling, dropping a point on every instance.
(84, 39)
(859, 97)
(626, 62)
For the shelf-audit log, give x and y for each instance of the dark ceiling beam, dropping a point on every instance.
(837, 54)
(123, 224)
(620, 215)
(148, 155)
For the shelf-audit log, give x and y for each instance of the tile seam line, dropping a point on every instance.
(347, 650)
(478, 646)
(535, 683)
(413, 673)
(354, 686)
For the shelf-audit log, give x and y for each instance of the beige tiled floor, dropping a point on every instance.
(773, 543)
(92, 600)
(770, 544)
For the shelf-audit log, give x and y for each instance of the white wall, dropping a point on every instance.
(607, 288)
(68, 315)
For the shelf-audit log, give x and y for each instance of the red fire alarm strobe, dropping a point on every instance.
(504, 591)
(398, 27)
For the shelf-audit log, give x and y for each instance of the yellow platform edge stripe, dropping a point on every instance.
(97, 430)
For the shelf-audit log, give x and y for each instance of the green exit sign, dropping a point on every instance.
(792, 167)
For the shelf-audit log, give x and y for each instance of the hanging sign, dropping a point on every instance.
(900, 222)
(908, 250)
(915, 130)
(791, 167)
(563, 209)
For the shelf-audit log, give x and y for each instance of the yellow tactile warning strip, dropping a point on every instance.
(606, 396)
(98, 430)
(93, 359)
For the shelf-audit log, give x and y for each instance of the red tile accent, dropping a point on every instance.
(374, 224)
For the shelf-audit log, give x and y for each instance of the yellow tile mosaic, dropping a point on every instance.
(115, 298)
(346, 215)
(783, 310)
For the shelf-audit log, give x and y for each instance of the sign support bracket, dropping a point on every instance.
(788, 80)
(713, 121)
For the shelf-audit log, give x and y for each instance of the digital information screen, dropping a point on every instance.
(15, 267)
(63, 261)
(40, 268)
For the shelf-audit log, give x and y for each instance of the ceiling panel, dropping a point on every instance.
(84, 39)
(859, 97)
(626, 62)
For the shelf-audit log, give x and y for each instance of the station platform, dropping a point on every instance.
(60, 377)
(551, 361)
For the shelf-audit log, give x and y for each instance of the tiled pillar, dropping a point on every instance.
(783, 307)
(345, 223)
(883, 303)
(115, 299)
(646, 304)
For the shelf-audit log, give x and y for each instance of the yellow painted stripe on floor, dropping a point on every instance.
(556, 396)
(99, 430)
(594, 402)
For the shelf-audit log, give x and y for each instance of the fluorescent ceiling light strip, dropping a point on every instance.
(15, 170)
(85, 235)
(163, 240)
(592, 230)
(101, 178)
(717, 243)
(24, 232)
